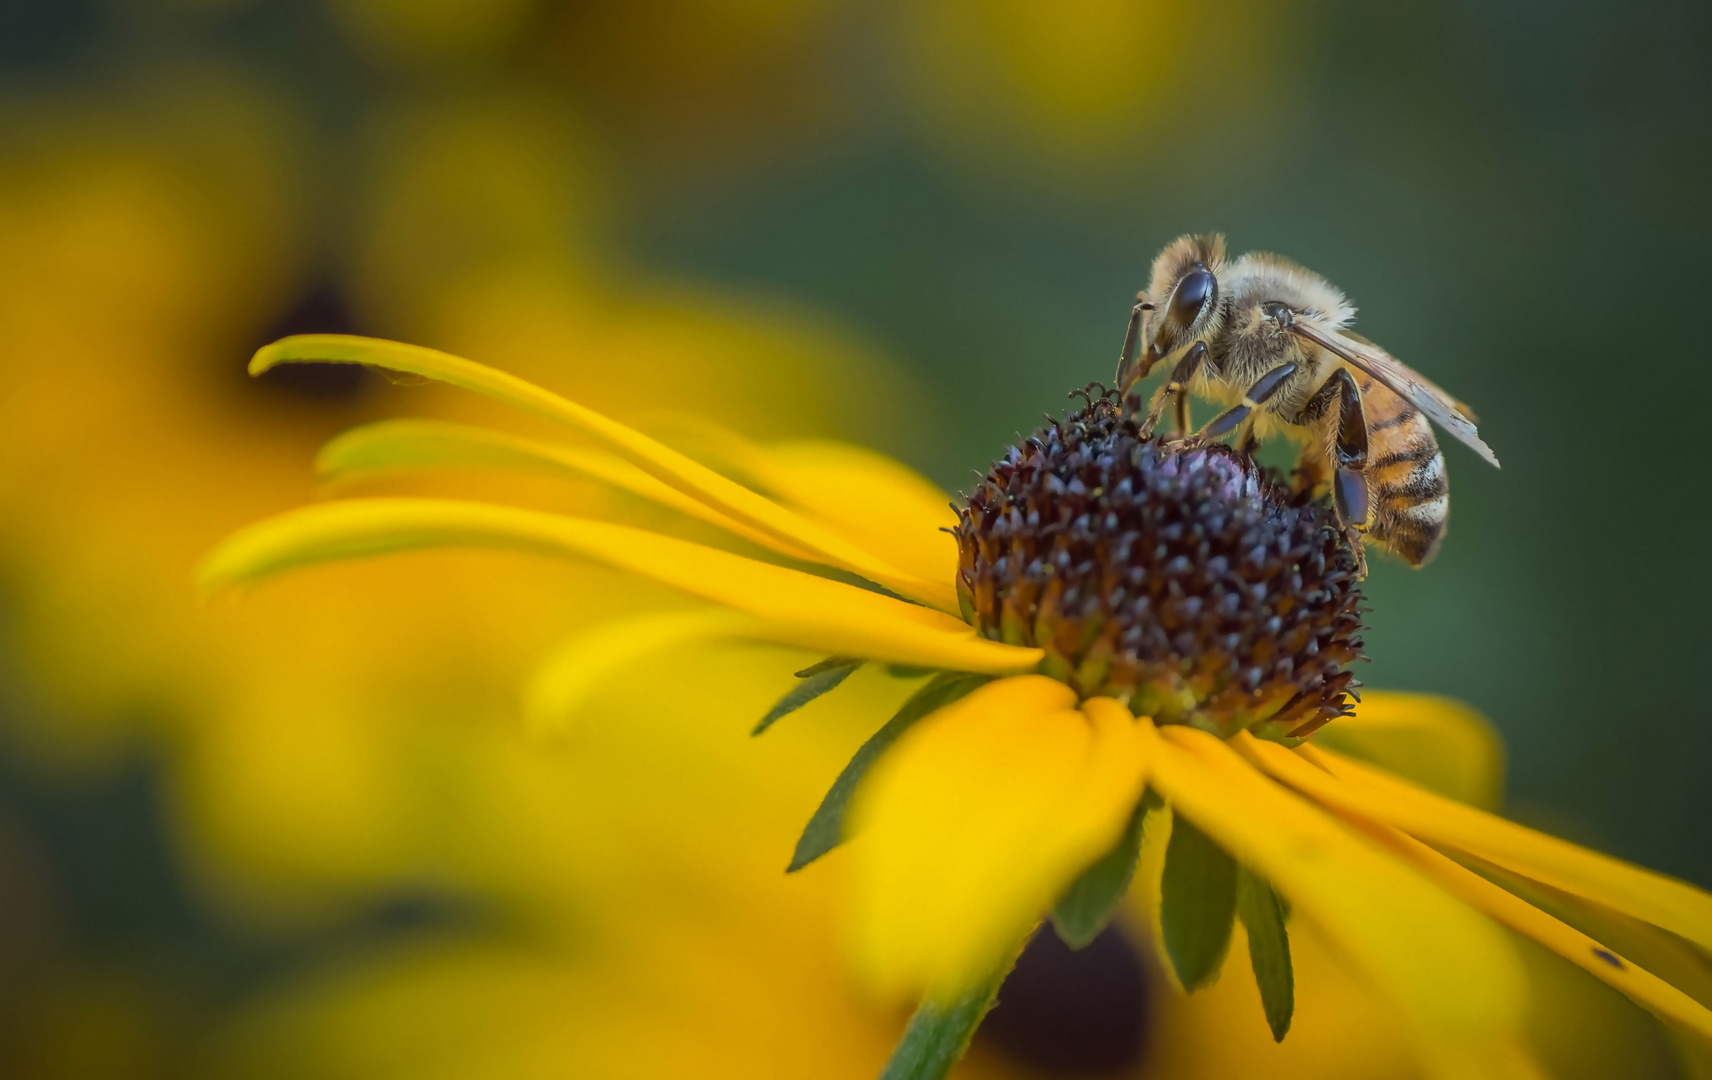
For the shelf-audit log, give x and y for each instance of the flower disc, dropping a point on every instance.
(1180, 578)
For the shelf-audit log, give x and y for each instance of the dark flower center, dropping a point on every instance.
(1184, 580)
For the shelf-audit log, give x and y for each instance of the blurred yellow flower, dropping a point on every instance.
(302, 764)
(304, 769)
(1070, 92)
(432, 32)
(1011, 784)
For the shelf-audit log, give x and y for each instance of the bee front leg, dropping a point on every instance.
(1128, 372)
(1181, 375)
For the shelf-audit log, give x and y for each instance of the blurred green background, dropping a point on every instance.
(913, 224)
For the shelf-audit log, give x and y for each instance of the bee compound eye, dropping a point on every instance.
(1191, 297)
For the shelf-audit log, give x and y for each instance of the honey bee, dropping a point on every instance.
(1270, 339)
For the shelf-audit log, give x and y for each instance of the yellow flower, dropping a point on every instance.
(1094, 575)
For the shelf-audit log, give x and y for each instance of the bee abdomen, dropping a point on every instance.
(1411, 495)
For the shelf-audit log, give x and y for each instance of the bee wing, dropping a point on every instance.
(1411, 385)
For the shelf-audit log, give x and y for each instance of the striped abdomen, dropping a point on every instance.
(1408, 496)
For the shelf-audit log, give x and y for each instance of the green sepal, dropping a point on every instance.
(825, 830)
(1088, 905)
(831, 663)
(938, 1034)
(1268, 950)
(1197, 904)
(909, 671)
(816, 679)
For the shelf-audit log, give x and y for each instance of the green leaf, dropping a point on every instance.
(818, 679)
(939, 1034)
(1197, 904)
(1087, 906)
(1268, 950)
(825, 830)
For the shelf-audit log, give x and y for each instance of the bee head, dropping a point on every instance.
(1185, 292)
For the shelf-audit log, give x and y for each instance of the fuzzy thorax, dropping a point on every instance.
(1182, 580)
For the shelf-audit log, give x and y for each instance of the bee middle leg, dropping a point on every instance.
(1174, 388)
(1312, 472)
(1246, 441)
(1258, 394)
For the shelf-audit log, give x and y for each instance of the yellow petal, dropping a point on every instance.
(875, 500)
(800, 608)
(885, 507)
(977, 820)
(1440, 744)
(657, 460)
(1674, 905)
(1650, 991)
(561, 687)
(1450, 970)
(1659, 951)
(395, 445)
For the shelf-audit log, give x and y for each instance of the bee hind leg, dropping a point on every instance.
(1350, 495)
